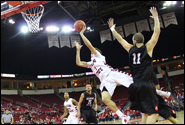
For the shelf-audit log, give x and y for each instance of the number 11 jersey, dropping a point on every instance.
(141, 64)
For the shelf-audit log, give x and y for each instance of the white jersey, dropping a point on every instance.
(98, 66)
(71, 108)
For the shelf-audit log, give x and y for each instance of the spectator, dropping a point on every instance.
(32, 121)
(41, 121)
(133, 115)
(100, 117)
(115, 116)
(29, 116)
(106, 116)
(18, 108)
(57, 117)
(27, 112)
(110, 116)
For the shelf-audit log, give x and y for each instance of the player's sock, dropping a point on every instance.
(163, 93)
(120, 114)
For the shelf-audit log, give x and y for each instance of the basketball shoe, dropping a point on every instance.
(125, 119)
(163, 93)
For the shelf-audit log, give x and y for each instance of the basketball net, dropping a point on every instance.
(32, 17)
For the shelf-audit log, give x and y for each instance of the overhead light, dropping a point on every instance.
(11, 21)
(41, 28)
(182, 2)
(174, 2)
(52, 29)
(167, 3)
(24, 29)
(67, 29)
(88, 28)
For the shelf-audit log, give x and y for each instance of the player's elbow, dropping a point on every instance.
(77, 63)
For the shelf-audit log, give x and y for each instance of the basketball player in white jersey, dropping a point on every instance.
(108, 76)
(71, 106)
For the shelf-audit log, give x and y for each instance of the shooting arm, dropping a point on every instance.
(87, 42)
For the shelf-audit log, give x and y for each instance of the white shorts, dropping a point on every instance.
(72, 119)
(114, 78)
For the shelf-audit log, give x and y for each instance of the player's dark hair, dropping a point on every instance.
(98, 50)
(139, 37)
(66, 92)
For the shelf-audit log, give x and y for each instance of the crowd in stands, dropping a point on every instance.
(24, 113)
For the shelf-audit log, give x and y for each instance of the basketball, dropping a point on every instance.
(78, 25)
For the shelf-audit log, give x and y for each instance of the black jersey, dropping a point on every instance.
(88, 100)
(154, 78)
(140, 62)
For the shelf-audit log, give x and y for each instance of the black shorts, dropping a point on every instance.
(88, 116)
(164, 110)
(143, 97)
(104, 89)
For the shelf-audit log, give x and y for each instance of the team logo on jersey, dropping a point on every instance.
(68, 105)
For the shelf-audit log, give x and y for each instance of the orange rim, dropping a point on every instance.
(35, 13)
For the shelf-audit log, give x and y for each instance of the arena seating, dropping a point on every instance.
(49, 99)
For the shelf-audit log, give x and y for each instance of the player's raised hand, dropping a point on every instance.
(154, 12)
(83, 29)
(111, 22)
(78, 47)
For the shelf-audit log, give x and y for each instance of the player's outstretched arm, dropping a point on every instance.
(87, 42)
(78, 60)
(65, 112)
(79, 104)
(155, 36)
(122, 41)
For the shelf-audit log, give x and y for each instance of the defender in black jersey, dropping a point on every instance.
(85, 111)
(164, 110)
(142, 92)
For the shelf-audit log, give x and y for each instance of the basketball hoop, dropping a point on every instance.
(32, 17)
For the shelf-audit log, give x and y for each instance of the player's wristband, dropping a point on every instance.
(112, 28)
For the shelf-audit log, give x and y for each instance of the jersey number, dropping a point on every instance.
(138, 58)
(89, 103)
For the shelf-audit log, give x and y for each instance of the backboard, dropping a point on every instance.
(9, 8)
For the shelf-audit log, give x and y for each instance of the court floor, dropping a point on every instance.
(180, 118)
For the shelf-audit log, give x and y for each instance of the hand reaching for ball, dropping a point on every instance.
(83, 29)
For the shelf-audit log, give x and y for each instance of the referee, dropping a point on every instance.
(7, 118)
